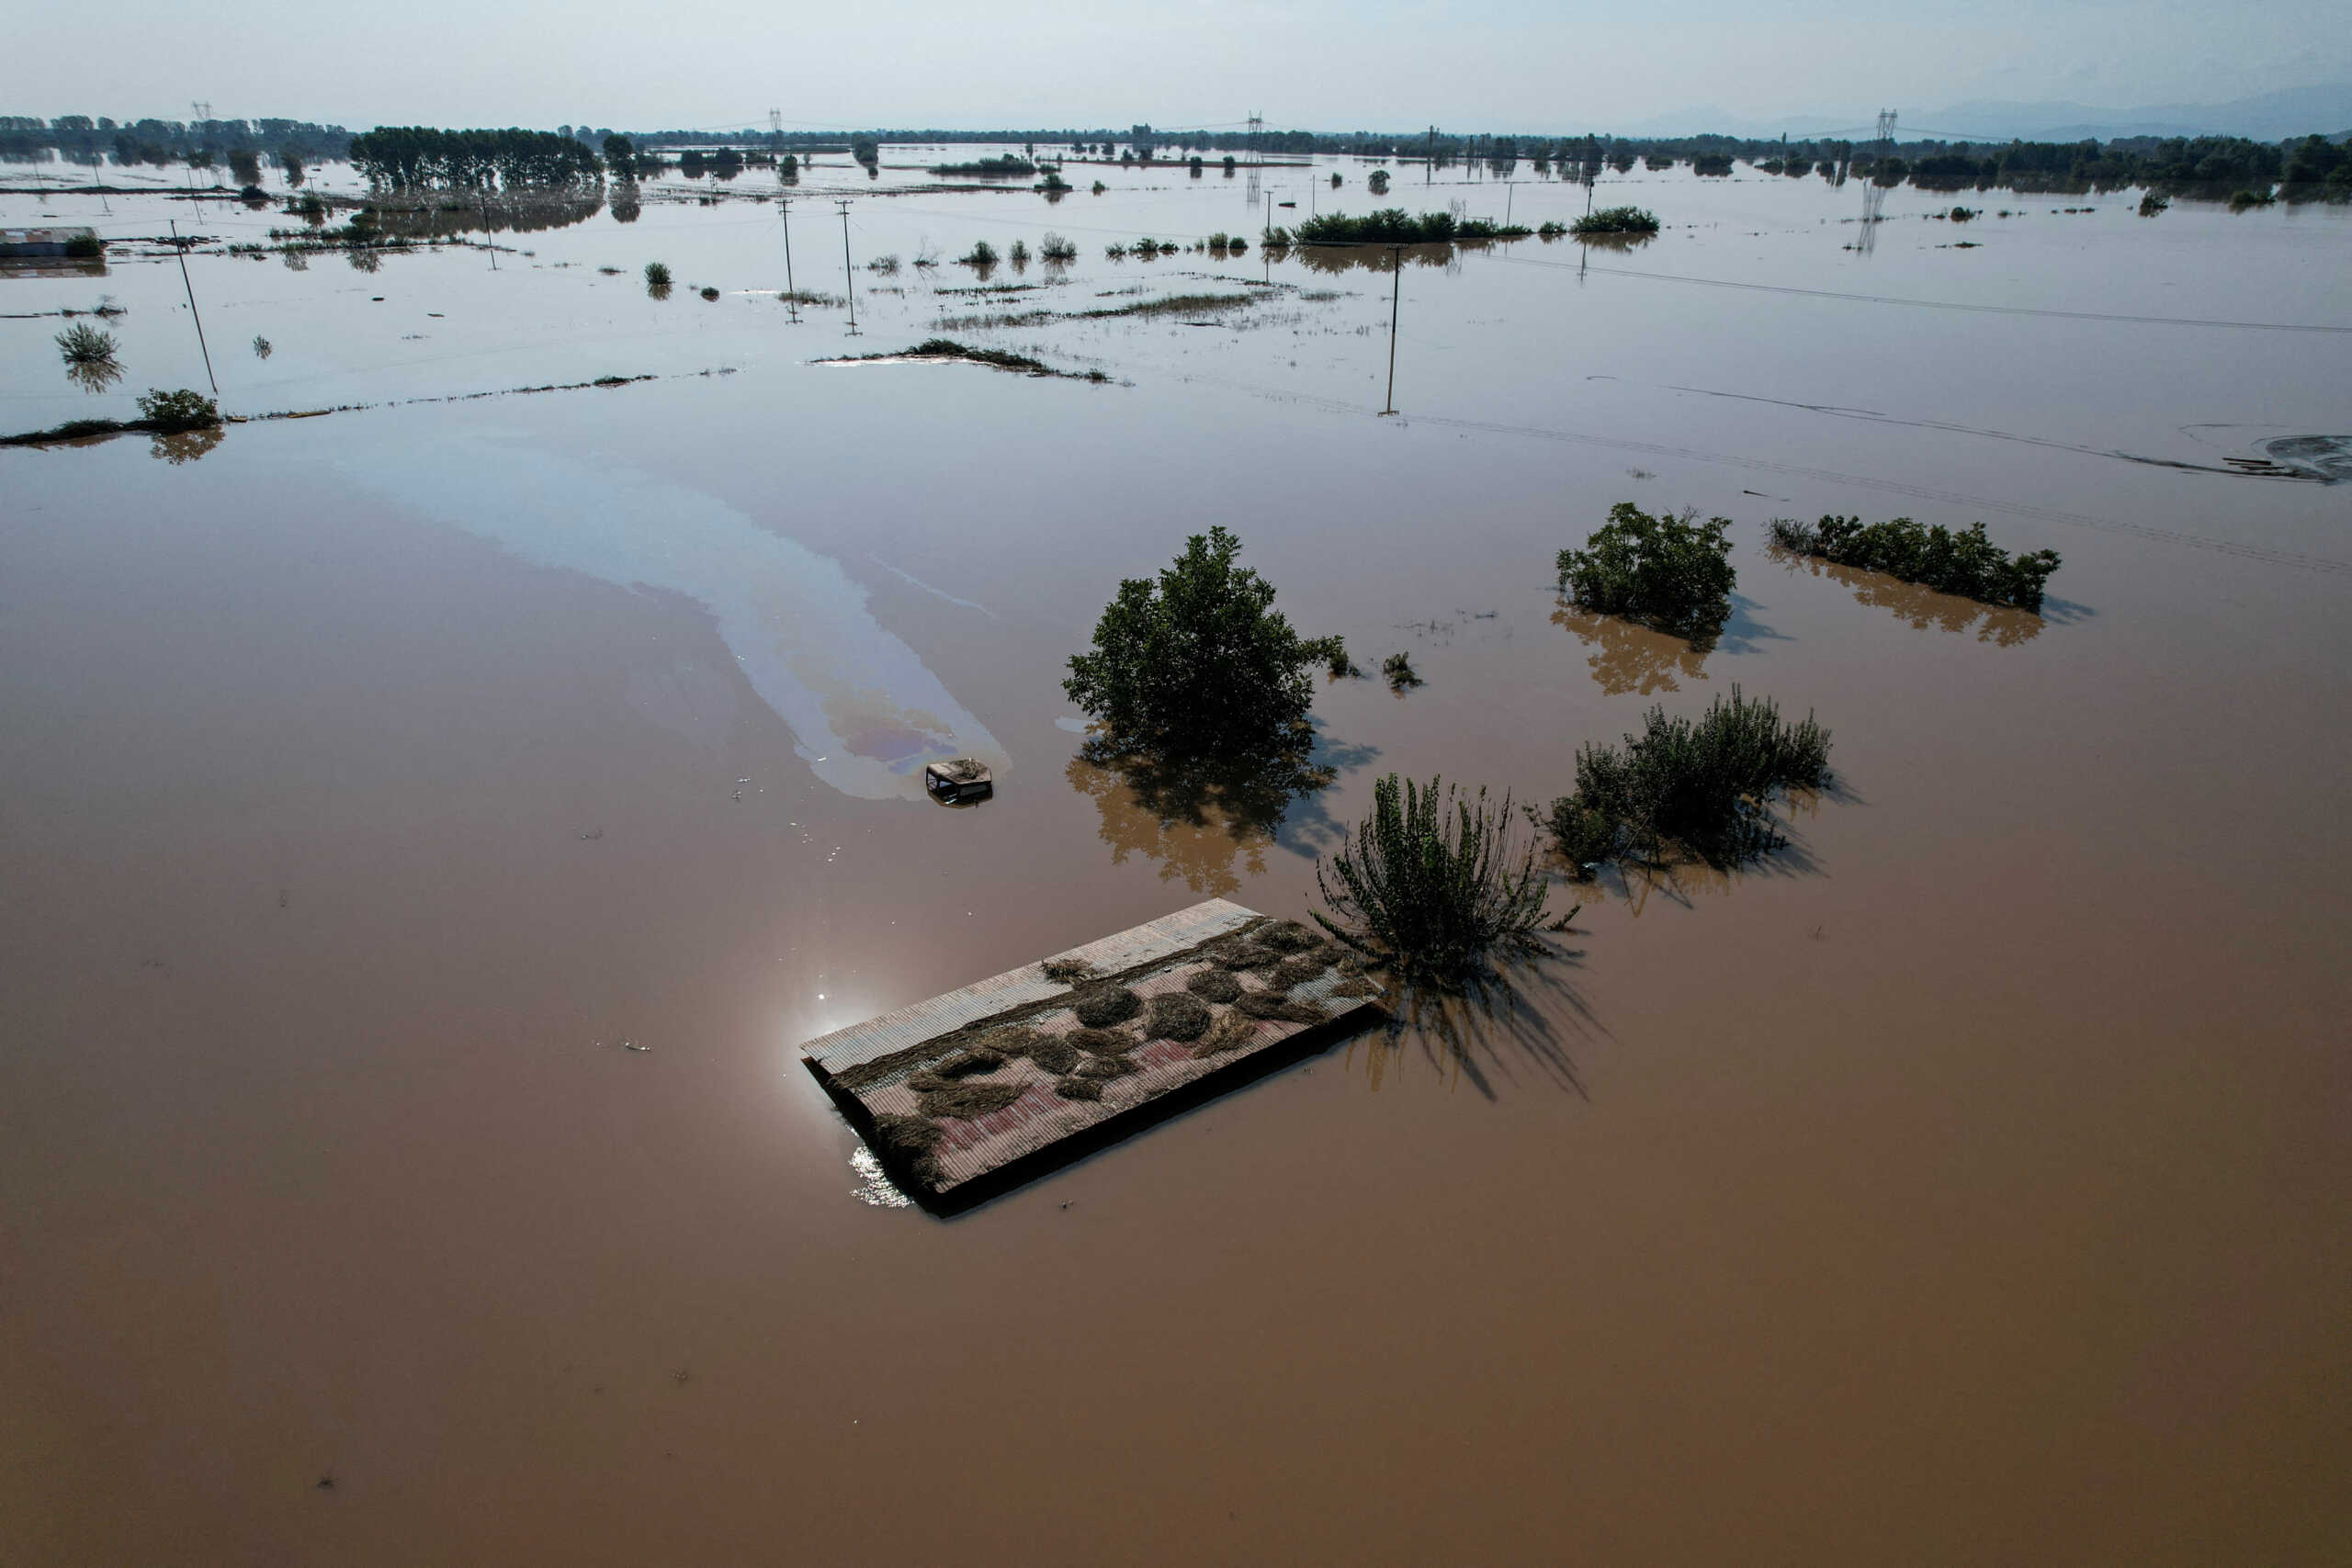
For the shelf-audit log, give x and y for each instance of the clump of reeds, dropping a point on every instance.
(1431, 882)
(1176, 1015)
(967, 1102)
(1274, 1007)
(915, 1140)
(1103, 1006)
(1101, 1041)
(1966, 563)
(806, 297)
(1019, 254)
(1705, 787)
(888, 266)
(981, 255)
(1106, 1067)
(83, 344)
(657, 276)
(1065, 971)
(1286, 936)
(1078, 1089)
(1056, 250)
(1672, 572)
(1229, 1032)
(1215, 986)
(1052, 1053)
(1550, 229)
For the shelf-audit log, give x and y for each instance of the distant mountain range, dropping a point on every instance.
(2268, 116)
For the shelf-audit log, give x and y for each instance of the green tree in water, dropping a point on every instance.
(1199, 663)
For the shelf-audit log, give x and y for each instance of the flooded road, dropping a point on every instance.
(430, 829)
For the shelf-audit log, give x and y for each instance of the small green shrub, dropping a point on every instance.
(1019, 254)
(1705, 785)
(166, 413)
(1398, 669)
(710, 294)
(1550, 229)
(85, 247)
(1056, 250)
(982, 253)
(2153, 203)
(1377, 182)
(2240, 200)
(1670, 572)
(1966, 563)
(1198, 662)
(657, 276)
(1616, 220)
(1431, 882)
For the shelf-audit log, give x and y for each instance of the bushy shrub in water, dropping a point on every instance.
(1199, 663)
(1673, 573)
(1616, 220)
(1432, 881)
(183, 410)
(982, 253)
(1056, 249)
(656, 275)
(1966, 563)
(1705, 785)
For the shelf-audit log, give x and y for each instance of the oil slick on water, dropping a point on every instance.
(865, 712)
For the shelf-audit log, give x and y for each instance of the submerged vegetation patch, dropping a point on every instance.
(995, 358)
(1966, 563)
(1702, 786)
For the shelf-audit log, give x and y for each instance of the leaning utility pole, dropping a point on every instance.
(791, 292)
(180, 251)
(1396, 294)
(849, 280)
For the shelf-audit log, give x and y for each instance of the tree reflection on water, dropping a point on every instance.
(1628, 657)
(2001, 625)
(1197, 817)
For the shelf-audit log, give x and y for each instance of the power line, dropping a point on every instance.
(1939, 304)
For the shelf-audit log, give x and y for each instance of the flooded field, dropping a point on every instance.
(430, 828)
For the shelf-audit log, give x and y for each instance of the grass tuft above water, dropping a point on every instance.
(1432, 881)
(1703, 787)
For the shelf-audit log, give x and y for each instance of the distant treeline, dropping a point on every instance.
(407, 157)
(416, 156)
(85, 138)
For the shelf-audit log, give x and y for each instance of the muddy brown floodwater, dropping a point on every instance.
(428, 831)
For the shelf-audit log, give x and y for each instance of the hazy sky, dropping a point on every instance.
(1509, 64)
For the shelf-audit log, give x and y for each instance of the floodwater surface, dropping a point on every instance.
(430, 827)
